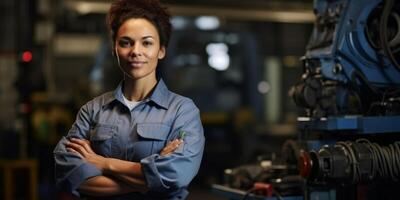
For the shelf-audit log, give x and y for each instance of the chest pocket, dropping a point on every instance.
(101, 138)
(151, 139)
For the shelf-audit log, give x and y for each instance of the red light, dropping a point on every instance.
(27, 56)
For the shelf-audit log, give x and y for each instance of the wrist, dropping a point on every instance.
(107, 166)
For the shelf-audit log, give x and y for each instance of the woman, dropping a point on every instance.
(141, 141)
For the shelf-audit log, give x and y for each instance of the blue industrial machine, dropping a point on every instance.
(349, 132)
(350, 90)
(352, 64)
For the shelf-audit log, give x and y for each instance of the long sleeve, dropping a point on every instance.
(174, 171)
(70, 169)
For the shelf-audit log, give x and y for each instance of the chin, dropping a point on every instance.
(135, 76)
(138, 74)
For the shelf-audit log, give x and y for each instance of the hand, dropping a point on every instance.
(83, 149)
(171, 147)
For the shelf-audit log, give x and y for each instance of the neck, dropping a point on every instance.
(137, 90)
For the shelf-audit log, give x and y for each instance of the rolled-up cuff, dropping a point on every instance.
(151, 174)
(74, 179)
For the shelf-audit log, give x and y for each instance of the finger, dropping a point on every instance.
(173, 142)
(73, 151)
(78, 141)
(176, 142)
(171, 147)
(87, 142)
(88, 146)
(163, 153)
(84, 143)
(77, 147)
(166, 150)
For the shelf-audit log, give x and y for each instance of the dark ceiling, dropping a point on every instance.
(296, 11)
(286, 4)
(295, 4)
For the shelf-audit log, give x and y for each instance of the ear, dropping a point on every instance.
(161, 52)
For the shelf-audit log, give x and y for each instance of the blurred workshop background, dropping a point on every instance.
(236, 59)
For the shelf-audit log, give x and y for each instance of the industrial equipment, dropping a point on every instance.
(350, 92)
(352, 63)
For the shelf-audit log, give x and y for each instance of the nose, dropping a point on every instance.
(136, 50)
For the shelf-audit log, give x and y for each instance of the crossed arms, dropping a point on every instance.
(118, 176)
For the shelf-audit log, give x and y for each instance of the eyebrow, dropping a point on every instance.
(145, 37)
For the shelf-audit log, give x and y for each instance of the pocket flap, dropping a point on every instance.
(155, 131)
(102, 132)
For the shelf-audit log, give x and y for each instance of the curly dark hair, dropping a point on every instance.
(152, 10)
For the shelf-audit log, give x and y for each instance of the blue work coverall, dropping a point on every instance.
(136, 135)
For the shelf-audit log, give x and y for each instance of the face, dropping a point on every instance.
(138, 49)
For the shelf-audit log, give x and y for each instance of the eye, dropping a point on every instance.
(147, 43)
(124, 43)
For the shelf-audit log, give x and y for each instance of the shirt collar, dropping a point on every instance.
(159, 95)
(115, 95)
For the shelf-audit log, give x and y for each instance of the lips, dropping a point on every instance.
(137, 64)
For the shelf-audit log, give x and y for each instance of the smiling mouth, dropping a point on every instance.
(137, 64)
